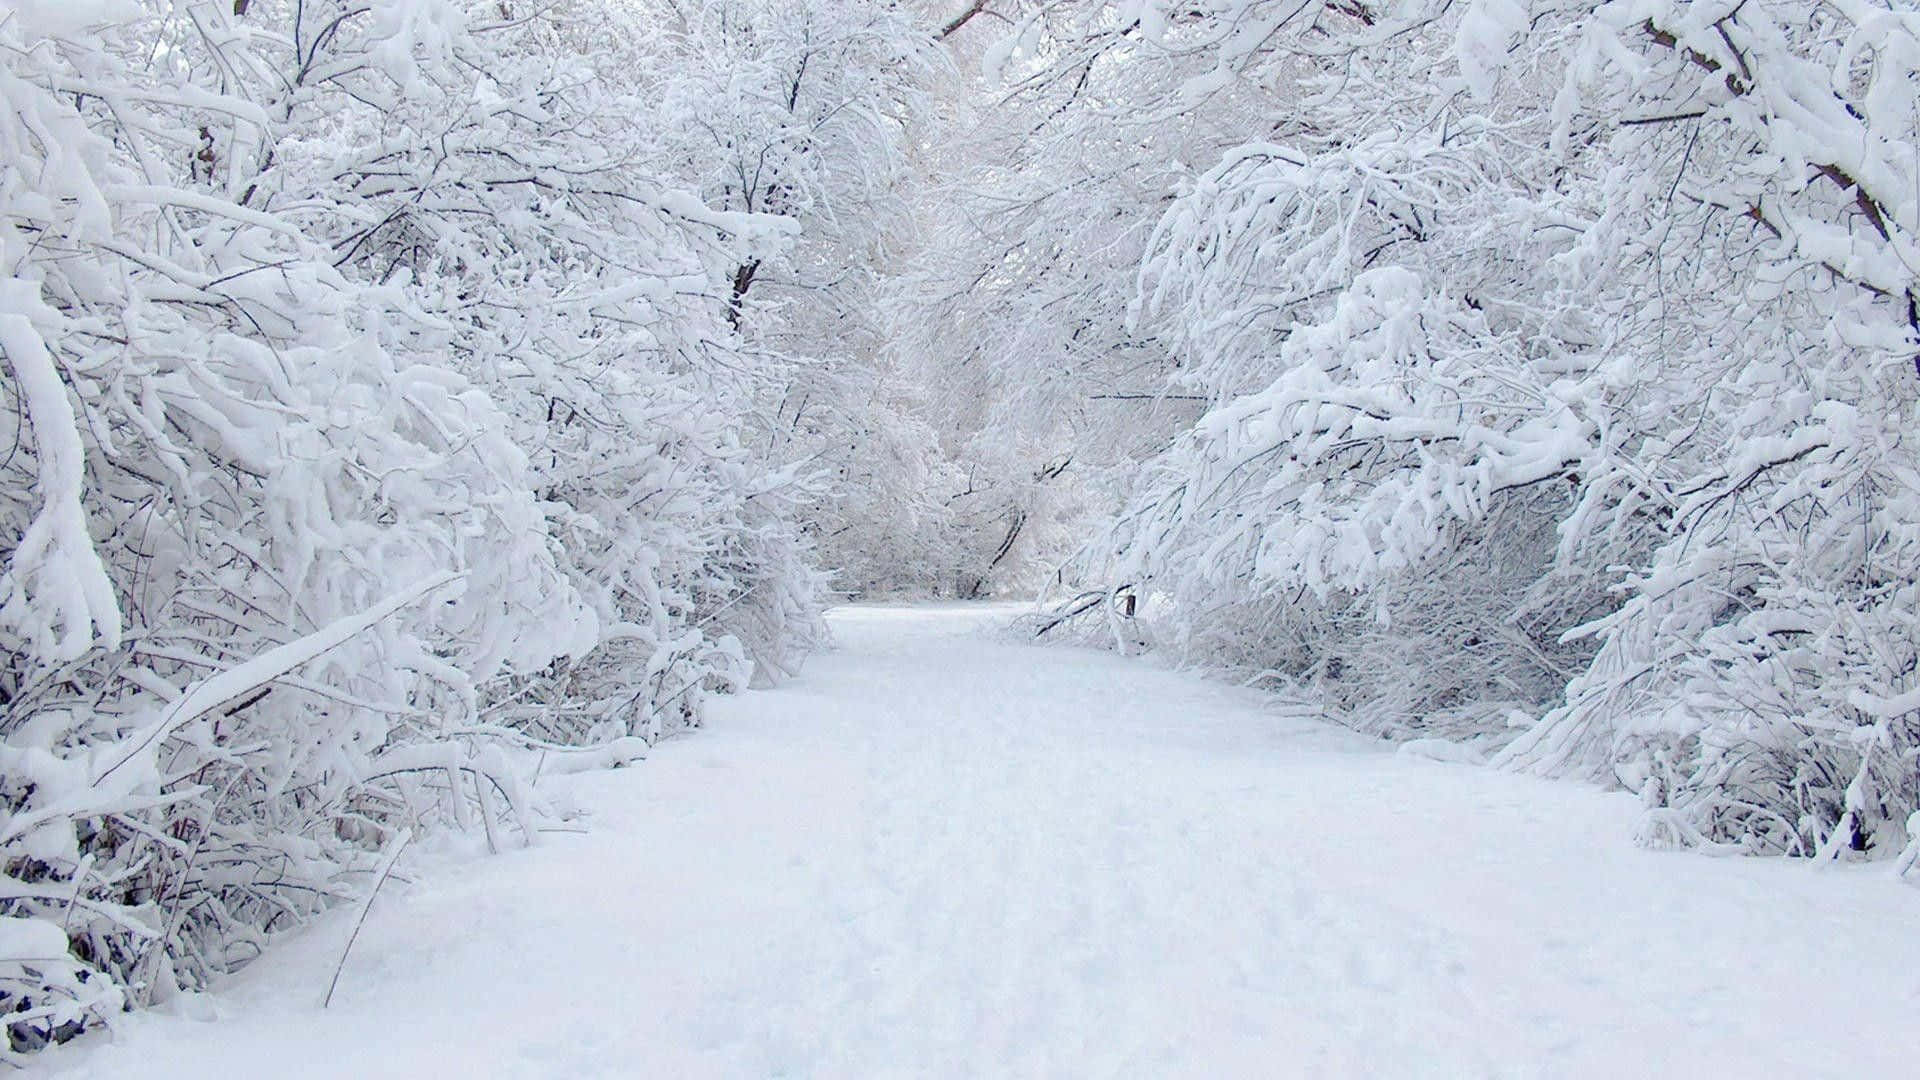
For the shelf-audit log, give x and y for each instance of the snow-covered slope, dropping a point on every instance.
(939, 854)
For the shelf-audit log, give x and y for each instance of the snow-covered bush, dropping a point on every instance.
(1561, 353)
(1383, 517)
(520, 185)
(375, 417)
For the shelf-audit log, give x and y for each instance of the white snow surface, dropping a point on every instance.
(941, 853)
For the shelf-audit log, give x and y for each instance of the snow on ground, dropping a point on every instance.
(941, 854)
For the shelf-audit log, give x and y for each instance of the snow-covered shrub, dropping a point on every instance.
(366, 392)
(521, 186)
(1756, 684)
(1380, 520)
(259, 548)
(1567, 350)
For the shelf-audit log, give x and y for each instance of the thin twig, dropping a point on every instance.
(380, 878)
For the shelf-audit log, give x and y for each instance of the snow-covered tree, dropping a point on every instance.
(377, 417)
(806, 111)
(1038, 198)
(1564, 349)
(515, 187)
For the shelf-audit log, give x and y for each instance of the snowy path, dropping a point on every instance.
(938, 854)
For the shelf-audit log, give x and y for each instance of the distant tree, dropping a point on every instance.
(807, 111)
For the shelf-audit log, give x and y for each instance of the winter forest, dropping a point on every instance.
(408, 402)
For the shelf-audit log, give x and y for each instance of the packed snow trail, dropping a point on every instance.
(941, 854)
